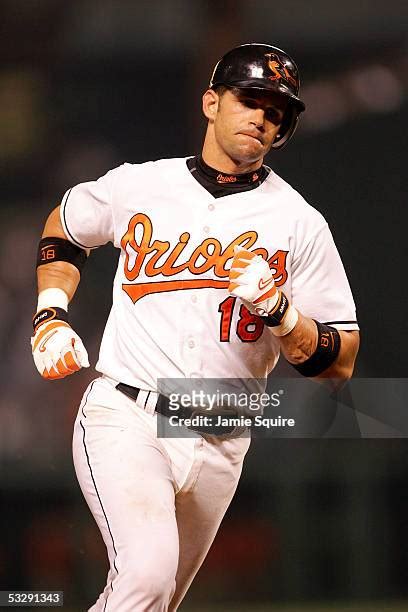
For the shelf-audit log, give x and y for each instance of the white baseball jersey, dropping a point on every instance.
(172, 316)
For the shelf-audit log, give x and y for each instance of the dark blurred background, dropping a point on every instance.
(88, 84)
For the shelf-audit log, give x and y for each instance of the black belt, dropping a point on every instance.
(163, 408)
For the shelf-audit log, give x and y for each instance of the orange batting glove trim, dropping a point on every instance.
(45, 331)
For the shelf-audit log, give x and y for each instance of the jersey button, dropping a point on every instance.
(211, 207)
(206, 229)
(191, 344)
(194, 299)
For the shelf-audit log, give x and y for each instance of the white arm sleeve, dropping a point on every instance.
(86, 212)
(320, 289)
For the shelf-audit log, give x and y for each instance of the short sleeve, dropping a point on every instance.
(86, 213)
(320, 289)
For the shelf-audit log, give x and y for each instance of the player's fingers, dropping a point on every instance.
(239, 249)
(266, 296)
(238, 262)
(48, 362)
(70, 362)
(58, 368)
(232, 287)
(54, 370)
(249, 306)
(39, 362)
(53, 359)
(235, 273)
(62, 369)
(237, 290)
(80, 353)
(244, 277)
(53, 374)
(67, 359)
(50, 372)
(244, 254)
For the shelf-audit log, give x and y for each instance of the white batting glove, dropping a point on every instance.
(57, 350)
(251, 280)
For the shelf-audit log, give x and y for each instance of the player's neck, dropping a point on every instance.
(217, 177)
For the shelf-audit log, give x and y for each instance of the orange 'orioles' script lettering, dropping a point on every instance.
(159, 257)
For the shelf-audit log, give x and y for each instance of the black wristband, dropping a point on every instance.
(59, 249)
(48, 314)
(276, 316)
(328, 347)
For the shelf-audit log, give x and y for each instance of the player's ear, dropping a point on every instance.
(210, 104)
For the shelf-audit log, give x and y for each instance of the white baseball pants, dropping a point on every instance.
(158, 502)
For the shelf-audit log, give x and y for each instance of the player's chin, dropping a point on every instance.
(250, 151)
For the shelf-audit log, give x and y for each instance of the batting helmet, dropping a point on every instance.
(258, 66)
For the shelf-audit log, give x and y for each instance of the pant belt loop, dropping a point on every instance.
(141, 399)
(150, 402)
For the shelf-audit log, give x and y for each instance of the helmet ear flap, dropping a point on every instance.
(287, 127)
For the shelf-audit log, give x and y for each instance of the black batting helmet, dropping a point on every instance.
(259, 66)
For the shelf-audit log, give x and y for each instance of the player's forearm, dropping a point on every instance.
(58, 274)
(57, 350)
(301, 343)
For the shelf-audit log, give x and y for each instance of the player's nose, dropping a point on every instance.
(258, 118)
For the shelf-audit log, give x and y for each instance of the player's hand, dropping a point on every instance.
(57, 350)
(251, 280)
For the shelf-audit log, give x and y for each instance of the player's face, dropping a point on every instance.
(245, 123)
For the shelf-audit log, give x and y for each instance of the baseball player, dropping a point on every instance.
(222, 267)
